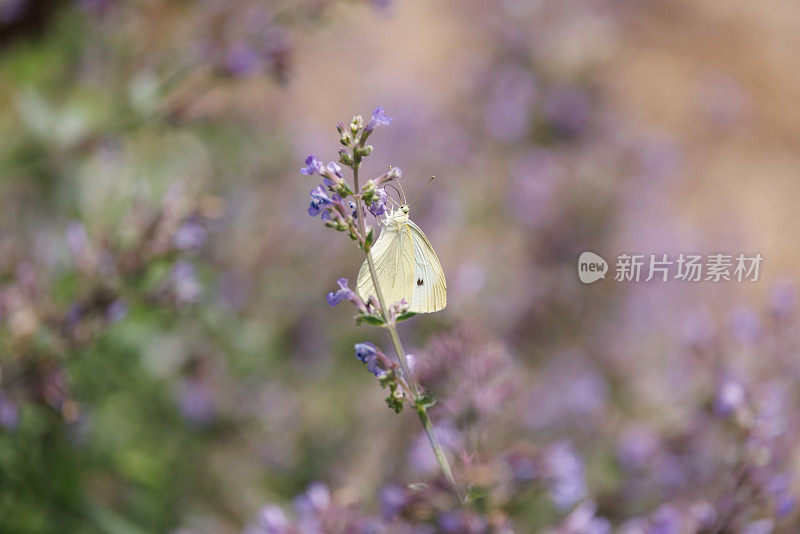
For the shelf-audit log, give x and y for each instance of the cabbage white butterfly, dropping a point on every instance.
(406, 266)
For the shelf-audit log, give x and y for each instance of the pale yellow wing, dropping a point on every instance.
(430, 287)
(393, 254)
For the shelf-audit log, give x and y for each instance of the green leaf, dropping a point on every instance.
(406, 315)
(370, 319)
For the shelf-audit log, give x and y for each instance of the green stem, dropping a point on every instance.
(401, 356)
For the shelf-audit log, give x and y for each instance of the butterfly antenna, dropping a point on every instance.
(403, 193)
(398, 194)
(423, 190)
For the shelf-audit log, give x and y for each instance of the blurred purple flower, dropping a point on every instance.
(378, 118)
(783, 298)
(506, 114)
(461, 522)
(189, 236)
(666, 520)
(567, 110)
(584, 521)
(117, 311)
(270, 520)
(313, 166)
(9, 413)
(745, 325)
(11, 10)
(242, 60)
(392, 498)
(778, 487)
(636, 448)
(195, 401)
(564, 476)
(315, 500)
(729, 398)
(184, 281)
(762, 526)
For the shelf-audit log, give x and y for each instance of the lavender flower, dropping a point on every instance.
(564, 475)
(189, 236)
(195, 402)
(730, 397)
(242, 60)
(378, 118)
(369, 354)
(185, 284)
(9, 413)
(319, 199)
(378, 206)
(117, 311)
(666, 520)
(343, 293)
(313, 166)
(335, 169)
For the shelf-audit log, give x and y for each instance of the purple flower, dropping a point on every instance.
(761, 526)
(335, 168)
(116, 311)
(187, 287)
(729, 398)
(393, 498)
(568, 111)
(368, 353)
(313, 166)
(319, 198)
(378, 118)
(9, 413)
(189, 236)
(564, 475)
(271, 520)
(195, 402)
(242, 60)
(783, 298)
(343, 293)
(378, 206)
(77, 240)
(365, 351)
(583, 520)
(745, 325)
(666, 520)
(779, 489)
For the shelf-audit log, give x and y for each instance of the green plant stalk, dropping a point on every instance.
(421, 408)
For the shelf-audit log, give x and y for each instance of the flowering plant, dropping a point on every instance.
(343, 207)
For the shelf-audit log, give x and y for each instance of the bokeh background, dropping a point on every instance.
(168, 362)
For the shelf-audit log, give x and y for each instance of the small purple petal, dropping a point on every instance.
(378, 118)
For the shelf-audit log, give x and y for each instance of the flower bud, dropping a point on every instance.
(356, 124)
(345, 158)
(363, 151)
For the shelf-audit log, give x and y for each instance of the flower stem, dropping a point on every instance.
(421, 408)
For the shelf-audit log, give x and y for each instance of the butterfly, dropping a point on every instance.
(406, 266)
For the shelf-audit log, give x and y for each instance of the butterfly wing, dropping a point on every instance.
(430, 287)
(393, 254)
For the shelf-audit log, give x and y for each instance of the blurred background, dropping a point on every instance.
(168, 362)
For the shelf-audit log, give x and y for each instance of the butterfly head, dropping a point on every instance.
(397, 217)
